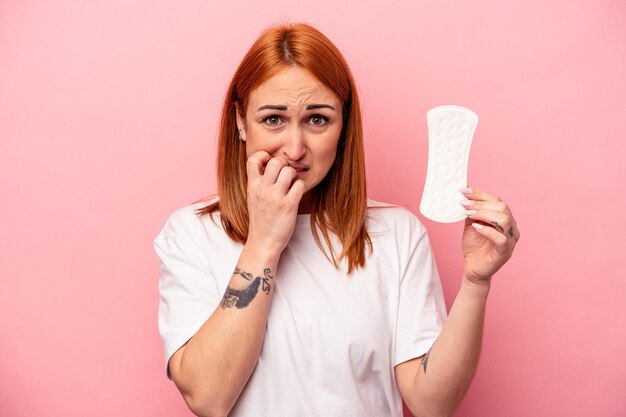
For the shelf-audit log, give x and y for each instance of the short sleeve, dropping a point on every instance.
(188, 291)
(421, 306)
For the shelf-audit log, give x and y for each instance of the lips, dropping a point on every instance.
(299, 166)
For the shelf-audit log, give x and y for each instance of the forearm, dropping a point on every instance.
(218, 361)
(447, 370)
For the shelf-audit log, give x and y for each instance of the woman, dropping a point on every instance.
(292, 293)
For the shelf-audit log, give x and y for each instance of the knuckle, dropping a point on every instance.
(256, 158)
(253, 160)
(287, 204)
(287, 173)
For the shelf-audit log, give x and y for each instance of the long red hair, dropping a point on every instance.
(340, 202)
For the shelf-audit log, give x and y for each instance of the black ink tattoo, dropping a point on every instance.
(500, 228)
(243, 298)
(246, 275)
(510, 232)
(240, 298)
(266, 280)
(425, 359)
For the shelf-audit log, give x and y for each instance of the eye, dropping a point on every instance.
(318, 120)
(272, 120)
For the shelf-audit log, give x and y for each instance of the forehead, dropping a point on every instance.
(293, 87)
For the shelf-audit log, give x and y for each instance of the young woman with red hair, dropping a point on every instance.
(290, 293)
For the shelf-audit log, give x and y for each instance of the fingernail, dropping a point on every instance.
(470, 212)
(466, 203)
(465, 190)
(477, 226)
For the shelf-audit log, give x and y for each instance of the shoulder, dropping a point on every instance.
(180, 220)
(188, 220)
(393, 216)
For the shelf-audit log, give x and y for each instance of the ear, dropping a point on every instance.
(241, 125)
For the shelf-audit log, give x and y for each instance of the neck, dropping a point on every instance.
(306, 203)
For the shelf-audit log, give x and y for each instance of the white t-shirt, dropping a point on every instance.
(332, 339)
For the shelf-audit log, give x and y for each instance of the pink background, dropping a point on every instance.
(108, 113)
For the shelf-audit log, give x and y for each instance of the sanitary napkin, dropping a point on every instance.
(450, 133)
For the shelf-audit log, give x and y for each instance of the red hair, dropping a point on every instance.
(340, 199)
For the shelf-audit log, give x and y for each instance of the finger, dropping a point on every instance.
(490, 233)
(500, 221)
(285, 177)
(474, 193)
(509, 225)
(255, 164)
(272, 169)
(498, 206)
(297, 190)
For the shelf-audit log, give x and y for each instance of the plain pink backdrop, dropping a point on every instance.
(108, 118)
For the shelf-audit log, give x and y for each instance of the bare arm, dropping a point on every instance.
(489, 238)
(212, 368)
(434, 385)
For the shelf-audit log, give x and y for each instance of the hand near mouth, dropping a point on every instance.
(274, 194)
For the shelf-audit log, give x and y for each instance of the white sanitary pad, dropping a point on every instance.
(450, 133)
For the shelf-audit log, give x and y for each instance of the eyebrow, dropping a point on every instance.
(283, 108)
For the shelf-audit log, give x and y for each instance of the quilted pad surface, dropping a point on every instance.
(450, 133)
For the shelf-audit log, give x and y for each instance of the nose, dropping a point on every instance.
(294, 146)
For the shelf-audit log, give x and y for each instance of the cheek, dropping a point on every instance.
(258, 140)
(327, 154)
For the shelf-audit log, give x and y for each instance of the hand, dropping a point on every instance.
(489, 236)
(272, 202)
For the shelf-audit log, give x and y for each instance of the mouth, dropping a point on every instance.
(299, 166)
(301, 173)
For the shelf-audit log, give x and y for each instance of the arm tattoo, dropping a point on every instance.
(425, 359)
(243, 298)
(240, 298)
(266, 280)
(246, 275)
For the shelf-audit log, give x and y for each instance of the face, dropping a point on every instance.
(295, 117)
